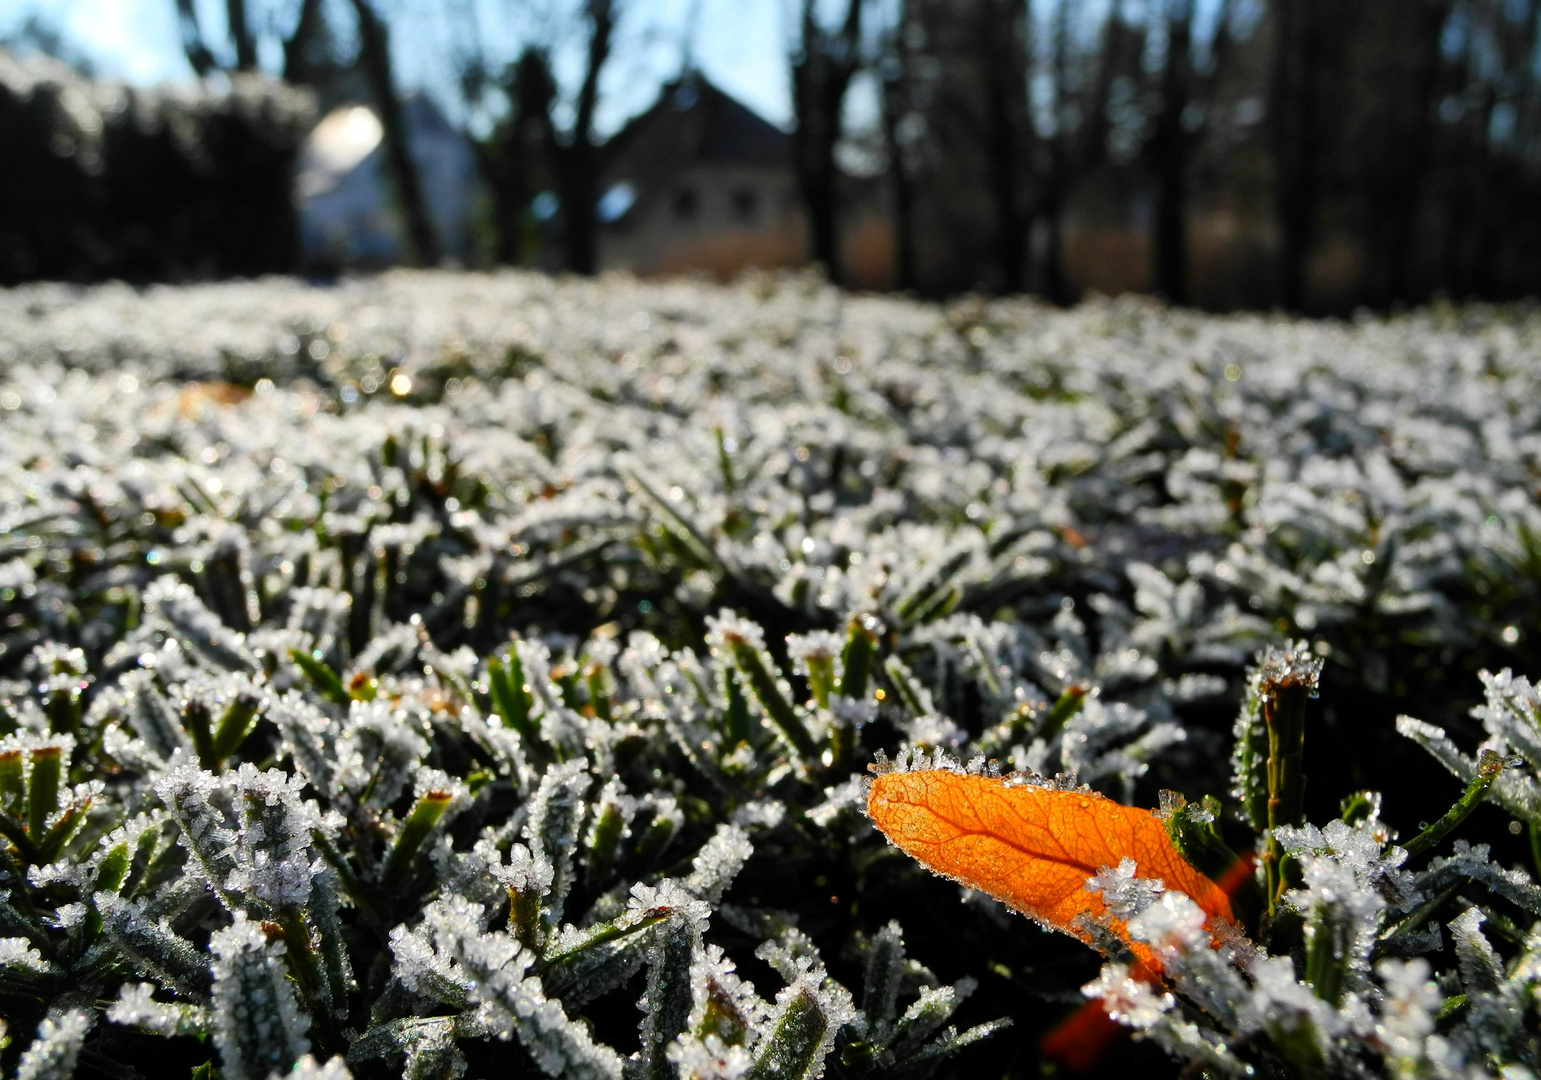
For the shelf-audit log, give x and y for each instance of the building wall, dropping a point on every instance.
(720, 219)
(702, 223)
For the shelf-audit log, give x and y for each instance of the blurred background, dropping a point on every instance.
(1309, 155)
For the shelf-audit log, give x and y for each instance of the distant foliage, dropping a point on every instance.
(107, 181)
(446, 676)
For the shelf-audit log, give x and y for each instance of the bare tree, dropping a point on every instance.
(300, 66)
(513, 159)
(1006, 50)
(527, 148)
(1491, 150)
(895, 70)
(823, 61)
(1399, 67)
(196, 48)
(240, 28)
(575, 155)
(375, 58)
(1080, 83)
(241, 35)
(1184, 82)
(1297, 112)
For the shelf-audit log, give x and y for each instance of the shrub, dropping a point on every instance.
(106, 181)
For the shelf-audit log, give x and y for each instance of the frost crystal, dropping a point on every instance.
(137, 1007)
(53, 1053)
(990, 536)
(257, 1023)
(22, 955)
(1128, 1000)
(307, 1069)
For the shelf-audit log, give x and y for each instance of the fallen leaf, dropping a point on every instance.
(195, 398)
(1032, 847)
(1081, 1039)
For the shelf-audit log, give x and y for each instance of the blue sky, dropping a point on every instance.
(739, 44)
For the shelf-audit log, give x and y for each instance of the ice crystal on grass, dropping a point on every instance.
(56, 1048)
(451, 718)
(308, 1069)
(21, 955)
(137, 1007)
(1511, 716)
(258, 1025)
(1343, 1005)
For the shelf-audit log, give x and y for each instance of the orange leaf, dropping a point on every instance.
(1082, 1037)
(1032, 847)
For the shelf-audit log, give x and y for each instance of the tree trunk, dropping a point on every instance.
(1054, 284)
(577, 162)
(1170, 146)
(1006, 45)
(1293, 129)
(517, 156)
(813, 155)
(193, 45)
(821, 74)
(298, 64)
(375, 55)
(819, 198)
(899, 176)
(241, 35)
(1076, 144)
(503, 187)
(1404, 166)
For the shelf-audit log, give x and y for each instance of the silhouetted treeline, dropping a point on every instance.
(1315, 155)
(103, 181)
(1311, 154)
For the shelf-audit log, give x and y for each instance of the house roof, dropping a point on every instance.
(692, 122)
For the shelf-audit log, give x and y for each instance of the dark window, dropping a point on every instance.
(686, 203)
(746, 204)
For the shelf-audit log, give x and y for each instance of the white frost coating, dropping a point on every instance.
(1404, 1025)
(257, 1022)
(757, 813)
(1474, 861)
(307, 1069)
(176, 606)
(1130, 1001)
(556, 816)
(808, 986)
(842, 798)
(718, 863)
(1426, 427)
(727, 625)
(378, 752)
(1482, 972)
(715, 985)
(56, 1048)
(273, 853)
(523, 872)
(19, 954)
(187, 792)
(248, 834)
(709, 1059)
(137, 1007)
(310, 737)
(452, 947)
(1125, 894)
(1511, 715)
